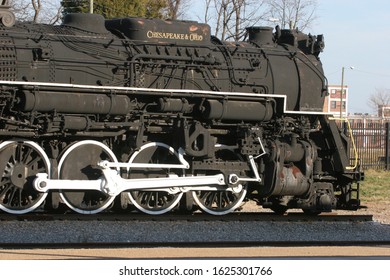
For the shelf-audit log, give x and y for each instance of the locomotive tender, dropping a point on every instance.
(109, 114)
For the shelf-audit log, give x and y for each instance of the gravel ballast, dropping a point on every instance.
(132, 232)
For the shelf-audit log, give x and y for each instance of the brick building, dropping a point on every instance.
(334, 100)
(368, 130)
(384, 111)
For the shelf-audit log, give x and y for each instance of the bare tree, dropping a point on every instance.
(176, 8)
(380, 97)
(293, 14)
(42, 11)
(37, 5)
(207, 14)
(22, 9)
(230, 17)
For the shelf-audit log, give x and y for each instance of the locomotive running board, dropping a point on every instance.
(132, 90)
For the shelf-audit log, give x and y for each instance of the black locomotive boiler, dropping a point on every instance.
(159, 115)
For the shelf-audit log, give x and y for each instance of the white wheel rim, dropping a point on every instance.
(220, 213)
(61, 162)
(229, 210)
(133, 200)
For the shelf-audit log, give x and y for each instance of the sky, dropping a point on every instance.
(357, 34)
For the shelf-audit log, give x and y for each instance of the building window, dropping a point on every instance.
(333, 91)
(344, 104)
(333, 104)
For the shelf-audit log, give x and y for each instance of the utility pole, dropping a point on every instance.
(91, 6)
(341, 93)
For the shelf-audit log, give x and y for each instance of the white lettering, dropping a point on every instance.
(174, 36)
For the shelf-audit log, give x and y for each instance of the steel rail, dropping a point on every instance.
(195, 217)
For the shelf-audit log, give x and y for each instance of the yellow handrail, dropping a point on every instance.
(356, 158)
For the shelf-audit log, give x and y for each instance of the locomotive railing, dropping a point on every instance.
(355, 158)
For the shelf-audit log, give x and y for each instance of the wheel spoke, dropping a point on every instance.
(40, 170)
(154, 202)
(220, 202)
(226, 198)
(11, 196)
(147, 199)
(5, 190)
(14, 155)
(33, 162)
(27, 156)
(20, 198)
(20, 151)
(17, 194)
(6, 181)
(213, 196)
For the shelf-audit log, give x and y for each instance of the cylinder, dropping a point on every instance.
(174, 105)
(75, 123)
(291, 182)
(80, 103)
(293, 153)
(237, 110)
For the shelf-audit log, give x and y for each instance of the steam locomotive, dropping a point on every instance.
(161, 116)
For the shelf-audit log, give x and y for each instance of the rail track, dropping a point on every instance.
(225, 244)
(242, 216)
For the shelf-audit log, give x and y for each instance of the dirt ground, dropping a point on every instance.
(191, 253)
(380, 211)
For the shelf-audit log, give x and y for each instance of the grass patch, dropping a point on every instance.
(376, 186)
